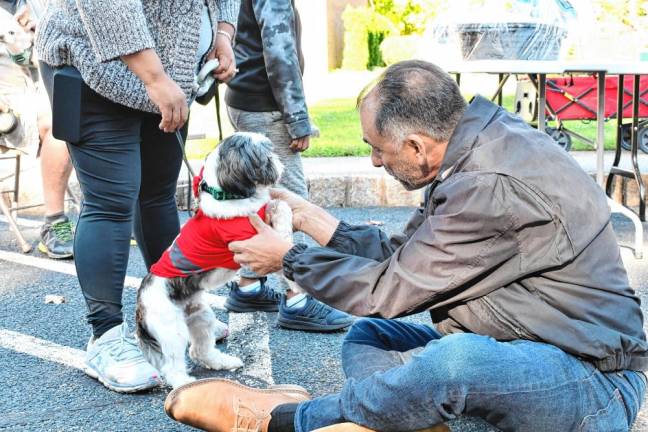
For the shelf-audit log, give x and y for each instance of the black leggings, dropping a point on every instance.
(128, 169)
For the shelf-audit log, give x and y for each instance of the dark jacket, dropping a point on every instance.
(514, 241)
(270, 62)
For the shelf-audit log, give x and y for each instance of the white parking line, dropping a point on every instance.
(41, 348)
(250, 331)
(27, 223)
(56, 266)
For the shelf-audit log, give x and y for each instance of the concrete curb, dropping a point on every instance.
(332, 182)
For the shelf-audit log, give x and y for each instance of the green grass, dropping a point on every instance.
(339, 125)
(340, 133)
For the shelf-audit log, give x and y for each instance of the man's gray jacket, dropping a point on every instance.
(514, 241)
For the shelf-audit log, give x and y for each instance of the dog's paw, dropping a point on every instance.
(176, 380)
(221, 361)
(221, 331)
(232, 363)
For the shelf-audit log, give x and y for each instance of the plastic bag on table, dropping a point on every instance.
(505, 29)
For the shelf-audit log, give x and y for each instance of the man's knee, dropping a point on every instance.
(365, 331)
(460, 358)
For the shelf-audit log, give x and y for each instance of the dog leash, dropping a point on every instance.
(205, 81)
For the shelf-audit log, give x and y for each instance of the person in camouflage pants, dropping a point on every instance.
(267, 97)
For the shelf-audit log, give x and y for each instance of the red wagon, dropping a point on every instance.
(574, 98)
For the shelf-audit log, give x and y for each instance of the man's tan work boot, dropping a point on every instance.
(352, 427)
(219, 405)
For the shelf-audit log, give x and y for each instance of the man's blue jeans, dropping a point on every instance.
(405, 377)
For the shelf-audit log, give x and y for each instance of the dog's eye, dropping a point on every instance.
(11, 32)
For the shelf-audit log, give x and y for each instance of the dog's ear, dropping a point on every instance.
(245, 161)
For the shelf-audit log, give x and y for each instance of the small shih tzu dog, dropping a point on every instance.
(172, 310)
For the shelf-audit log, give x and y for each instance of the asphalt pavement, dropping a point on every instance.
(41, 345)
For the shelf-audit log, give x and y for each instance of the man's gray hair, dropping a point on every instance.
(415, 96)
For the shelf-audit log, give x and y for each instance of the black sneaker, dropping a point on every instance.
(57, 238)
(313, 316)
(265, 299)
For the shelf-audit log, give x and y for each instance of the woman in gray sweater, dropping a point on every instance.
(138, 60)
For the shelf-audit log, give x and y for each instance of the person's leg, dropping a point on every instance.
(56, 167)
(156, 213)
(298, 311)
(519, 385)
(270, 124)
(375, 345)
(107, 166)
(107, 162)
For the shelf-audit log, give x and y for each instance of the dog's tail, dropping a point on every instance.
(148, 344)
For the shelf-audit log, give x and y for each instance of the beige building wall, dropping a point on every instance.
(336, 29)
(314, 36)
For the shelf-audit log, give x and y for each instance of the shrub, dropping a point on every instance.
(364, 29)
(355, 54)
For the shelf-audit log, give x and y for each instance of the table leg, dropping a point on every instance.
(635, 145)
(542, 101)
(609, 184)
(600, 123)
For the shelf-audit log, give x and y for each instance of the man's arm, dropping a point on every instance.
(276, 21)
(360, 240)
(467, 249)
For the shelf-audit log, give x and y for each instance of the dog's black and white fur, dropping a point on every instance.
(174, 312)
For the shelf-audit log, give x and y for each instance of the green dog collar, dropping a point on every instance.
(218, 194)
(23, 58)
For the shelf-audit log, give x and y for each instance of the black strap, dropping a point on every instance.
(190, 172)
(218, 114)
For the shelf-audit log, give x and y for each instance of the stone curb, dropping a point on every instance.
(384, 191)
(327, 190)
(346, 191)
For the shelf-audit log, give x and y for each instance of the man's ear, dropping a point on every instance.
(418, 145)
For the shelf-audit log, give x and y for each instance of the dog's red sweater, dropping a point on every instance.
(202, 245)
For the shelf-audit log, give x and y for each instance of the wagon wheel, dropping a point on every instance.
(642, 136)
(561, 137)
(626, 144)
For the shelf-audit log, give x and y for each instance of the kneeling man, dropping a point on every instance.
(535, 325)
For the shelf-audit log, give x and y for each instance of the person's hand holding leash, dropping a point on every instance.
(264, 252)
(224, 53)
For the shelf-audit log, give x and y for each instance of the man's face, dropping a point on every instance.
(402, 161)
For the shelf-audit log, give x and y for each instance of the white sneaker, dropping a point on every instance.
(116, 361)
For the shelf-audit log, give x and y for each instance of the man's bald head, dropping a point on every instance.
(414, 96)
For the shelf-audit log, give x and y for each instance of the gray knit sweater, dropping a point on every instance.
(91, 35)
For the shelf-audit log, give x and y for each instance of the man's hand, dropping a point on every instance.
(264, 252)
(300, 144)
(224, 53)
